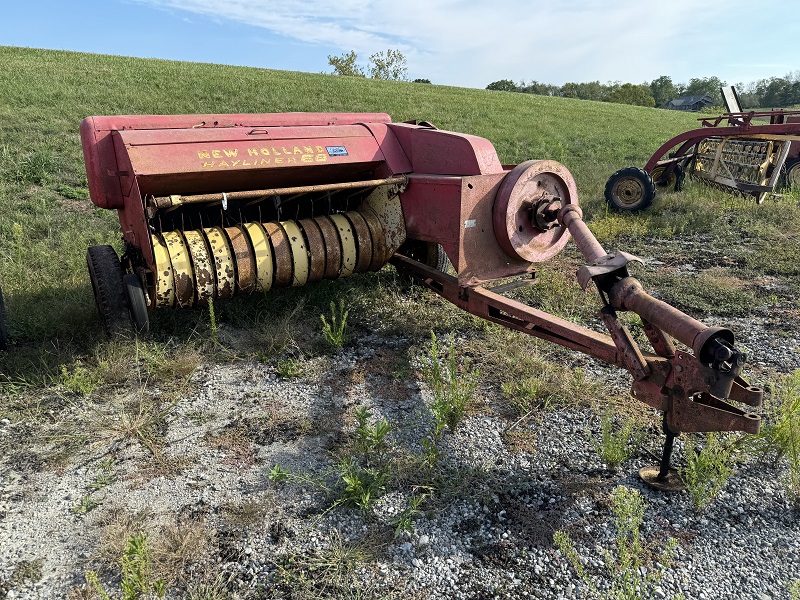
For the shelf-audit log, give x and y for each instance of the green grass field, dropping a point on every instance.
(47, 221)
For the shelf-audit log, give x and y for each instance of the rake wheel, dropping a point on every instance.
(791, 177)
(672, 183)
(630, 189)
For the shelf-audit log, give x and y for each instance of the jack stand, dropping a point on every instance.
(664, 477)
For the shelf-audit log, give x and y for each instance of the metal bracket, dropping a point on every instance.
(704, 412)
(604, 265)
(629, 351)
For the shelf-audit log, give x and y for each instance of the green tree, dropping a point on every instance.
(593, 90)
(663, 90)
(569, 90)
(628, 93)
(776, 92)
(503, 85)
(389, 65)
(422, 81)
(706, 86)
(346, 64)
(541, 89)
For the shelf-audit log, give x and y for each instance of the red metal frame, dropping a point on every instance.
(492, 221)
(783, 123)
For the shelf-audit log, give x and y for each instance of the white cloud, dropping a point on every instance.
(474, 42)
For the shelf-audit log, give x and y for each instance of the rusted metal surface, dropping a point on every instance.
(385, 204)
(282, 252)
(572, 218)
(262, 252)
(678, 385)
(512, 314)
(316, 249)
(305, 197)
(223, 262)
(202, 266)
(163, 202)
(737, 151)
(363, 241)
(661, 342)
(526, 206)
(348, 244)
(164, 296)
(629, 352)
(245, 261)
(380, 254)
(333, 247)
(297, 244)
(181, 268)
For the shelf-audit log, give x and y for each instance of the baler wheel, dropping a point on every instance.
(791, 178)
(3, 324)
(673, 183)
(429, 254)
(105, 272)
(137, 303)
(630, 189)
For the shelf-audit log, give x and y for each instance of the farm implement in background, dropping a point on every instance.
(744, 152)
(217, 206)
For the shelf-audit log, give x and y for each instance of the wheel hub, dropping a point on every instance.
(629, 191)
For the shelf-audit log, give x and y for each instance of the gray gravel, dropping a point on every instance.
(491, 540)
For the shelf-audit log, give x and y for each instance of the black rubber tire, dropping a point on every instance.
(675, 181)
(630, 189)
(791, 174)
(136, 303)
(105, 273)
(3, 324)
(428, 253)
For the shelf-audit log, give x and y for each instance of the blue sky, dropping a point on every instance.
(466, 43)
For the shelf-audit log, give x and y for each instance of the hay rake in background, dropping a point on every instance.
(217, 206)
(750, 153)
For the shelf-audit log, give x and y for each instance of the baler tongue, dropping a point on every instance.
(216, 206)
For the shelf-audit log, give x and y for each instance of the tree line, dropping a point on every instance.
(772, 92)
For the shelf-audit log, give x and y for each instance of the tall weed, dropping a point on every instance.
(451, 385)
(137, 577)
(780, 436)
(707, 469)
(334, 330)
(632, 576)
(617, 444)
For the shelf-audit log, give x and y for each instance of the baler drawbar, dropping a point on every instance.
(216, 206)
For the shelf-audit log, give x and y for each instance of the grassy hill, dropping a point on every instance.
(47, 220)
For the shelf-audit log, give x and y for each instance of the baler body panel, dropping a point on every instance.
(101, 159)
(239, 159)
(438, 152)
